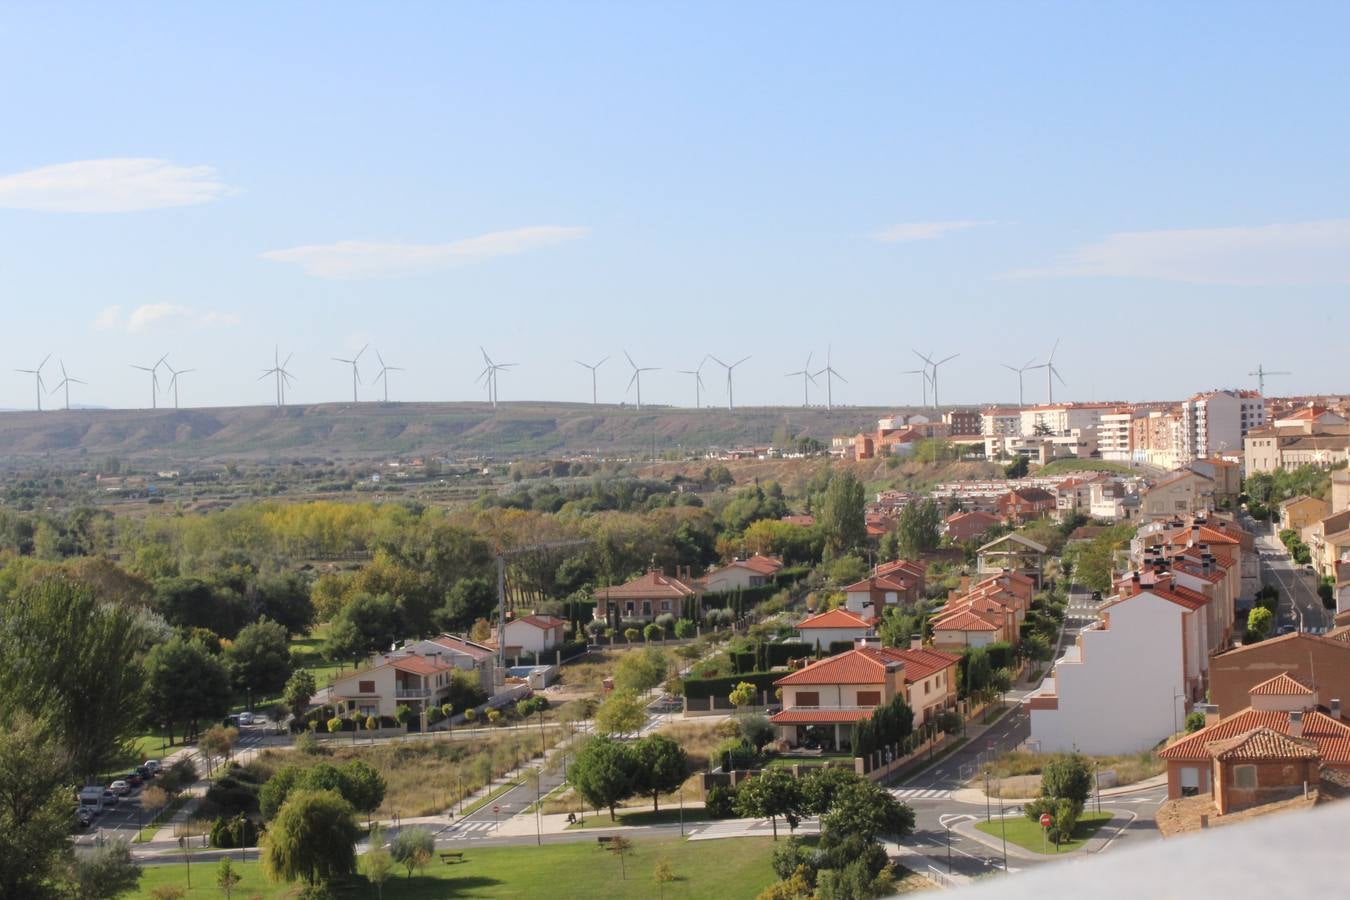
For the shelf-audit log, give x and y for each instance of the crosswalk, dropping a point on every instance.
(470, 830)
(921, 793)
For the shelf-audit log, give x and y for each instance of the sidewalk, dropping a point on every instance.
(977, 795)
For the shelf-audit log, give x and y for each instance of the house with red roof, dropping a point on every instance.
(823, 700)
(840, 624)
(652, 594)
(461, 653)
(1267, 752)
(740, 574)
(534, 634)
(417, 682)
(897, 583)
(967, 526)
(1021, 505)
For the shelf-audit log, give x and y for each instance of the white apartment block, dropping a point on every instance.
(1217, 421)
(1000, 421)
(1062, 418)
(1113, 436)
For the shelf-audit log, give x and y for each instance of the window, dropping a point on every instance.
(665, 606)
(1244, 776)
(1190, 781)
(868, 698)
(365, 687)
(927, 687)
(808, 698)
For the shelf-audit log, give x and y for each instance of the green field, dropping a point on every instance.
(729, 869)
(1069, 466)
(1025, 833)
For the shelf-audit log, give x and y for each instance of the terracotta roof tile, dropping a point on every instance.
(965, 620)
(1262, 743)
(836, 618)
(1282, 685)
(544, 622)
(650, 585)
(820, 716)
(1332, 737)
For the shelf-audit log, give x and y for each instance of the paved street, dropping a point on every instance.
(1299, 604)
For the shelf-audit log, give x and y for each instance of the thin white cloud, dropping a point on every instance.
(110, 186)
(107, 318)
(370, 259)
(151, 314)
(923, 231)
(1298, 253)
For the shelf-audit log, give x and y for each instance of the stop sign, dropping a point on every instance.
(1045, 820)
(496, 808)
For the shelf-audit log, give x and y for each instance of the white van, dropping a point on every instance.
(92, 798)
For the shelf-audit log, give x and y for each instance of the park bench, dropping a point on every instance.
(604, 839)
(452, 856)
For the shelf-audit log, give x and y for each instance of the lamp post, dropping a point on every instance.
(1003, 827)
(986, 794)
(949, 849)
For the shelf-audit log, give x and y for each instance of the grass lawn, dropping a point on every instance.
(1025, 833)
(731, 869)
(307, 653)
(787, 762)
(1064, 466)
(642, 817)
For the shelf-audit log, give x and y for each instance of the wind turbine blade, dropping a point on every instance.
(363, 350)
(487, 359)
(633, 379)
(1055, 372)
(948, 359)
(77, 381)
(922, 357)
(601, 362)
(287, 361)
(1052, 351)
(840, 377)
(718, 361)
(1029, 362)
(630, 359)
(809, 377)
(1008, 367)
(739, 361)
(380, 358)
(807, 367)
(266, 374)
(580, 363)
(44, 362)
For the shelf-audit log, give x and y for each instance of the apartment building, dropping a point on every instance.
(1215, 421)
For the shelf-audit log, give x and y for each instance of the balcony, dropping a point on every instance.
(411, 693)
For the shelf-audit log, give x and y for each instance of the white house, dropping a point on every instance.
(835, 625)
(1122, 687)
(742, 574)
(534, 634)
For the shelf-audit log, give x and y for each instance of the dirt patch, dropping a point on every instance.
(1182, 816)
(1015, 787)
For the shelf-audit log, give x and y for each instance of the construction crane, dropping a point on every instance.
(1260, 376)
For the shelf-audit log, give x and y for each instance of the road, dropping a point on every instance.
(1300, 606)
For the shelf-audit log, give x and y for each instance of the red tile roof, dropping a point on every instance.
(820, 716)
(764, 565)
(1282, 685)
(471, 648)
(419, 665)
(1332, 737)
(544, 622)
(891, 582)
(921, 663)
(650, 585)
(852, 667)
(836, 618)
(965, 620)
(1262, 743)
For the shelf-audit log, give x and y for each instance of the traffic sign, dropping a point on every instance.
(1045, 820)
(497, 809)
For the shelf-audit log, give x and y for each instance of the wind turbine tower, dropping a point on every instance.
(594, 395)
(830, 374)
(282, 375)
(1020, 372)
(489, 375)
(65, 383)
(933, 368)
(637, 377)
(697, 372)
(173, 381)
(384, 374)
(731, 395)
(923, 372)
(1051, 373)
(807, 380)
(37, 378)
(356, 376)
(1260, 375)
(154, 379)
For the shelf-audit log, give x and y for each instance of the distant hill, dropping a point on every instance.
(370, 430)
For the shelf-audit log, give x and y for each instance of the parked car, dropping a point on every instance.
(145, 772)
(84, 816)
(120, 787)
(246, 718)
(153, 765)
(109, 799)
(135, 779)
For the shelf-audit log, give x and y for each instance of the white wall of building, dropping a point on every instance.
(825, 636)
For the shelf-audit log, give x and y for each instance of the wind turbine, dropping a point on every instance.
(1019, 372)
(637, 377)
(283, 377)
(830, 374)
(924, 373)
(1260, 375)
(730, 368)
(37, 378)
(594, 401)
(807, 380)
(173, 381)
(489, 375)
(154, 379)
(65, 382)
(356, 376)
(934, 367)
(1051, 373)
(384, 376)
(697, 372)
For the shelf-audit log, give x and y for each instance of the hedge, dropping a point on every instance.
(781, 653)
(722, 685)
(837, 647)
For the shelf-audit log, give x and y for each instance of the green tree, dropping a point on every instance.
(820, 788)
(770, 794)
(35, 774)
(184, 685)
(312, 838)
(604, 772)
(653, 632)
(377, 862)
(300, 688)
(218, 741)
(641, 670)
(863, 810)
(621, 713)
(412, 848)
(1194, 722)
(663, 874)
(841, 517)
(661, 766)
(106, 872)
(363, 786)
(227, 878)
(1067, 777)
(71, 660)
(743, 695)
(918, 529)
(366, 624)
(1259, 622)
(259, 660)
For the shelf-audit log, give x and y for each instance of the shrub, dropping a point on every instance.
(685, 629)
(721, 802)
(1067, 778)
(1194, 722)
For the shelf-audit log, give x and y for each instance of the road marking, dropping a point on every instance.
(921, 793)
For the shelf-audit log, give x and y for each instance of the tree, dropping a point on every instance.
(377, 862)
(621, 847)
(631, 634)
(259, 660)
(218, 741)
(661, 766)
(770, 794)
(820, 788)
(72, 661)
(366, 624)
(621, 713)
(685, 628)
(412, 848)
(641, 670)
(653, 632)
(363, 786)
(743, 695)
(35, 771)
(312, 838)
(1194, 722)
(226, 876)
(1017, 468)
(1067, 778)
(300, 689)
(861, 809)
(106, 872)
(184, 684)
(663, 874)
(918, 529)
(755, 729)
(604, 772)
(841, 517)
(1259, 622)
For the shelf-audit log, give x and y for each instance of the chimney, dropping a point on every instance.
(1296, 723)
(1335, 707)
(916, 643)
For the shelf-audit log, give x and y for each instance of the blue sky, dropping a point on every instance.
(1163, 187)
